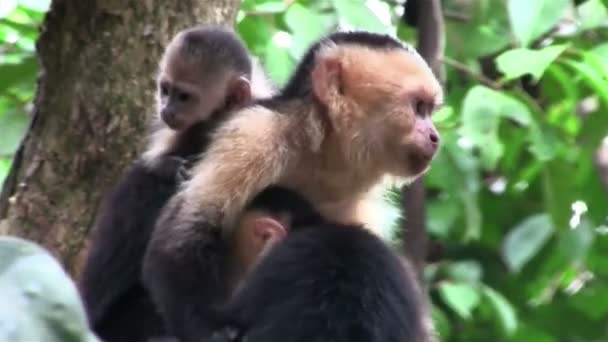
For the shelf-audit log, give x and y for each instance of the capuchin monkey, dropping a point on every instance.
(205, 71)
(357, 109)
(321, 282)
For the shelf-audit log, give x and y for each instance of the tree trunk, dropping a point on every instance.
(427, 16)
(93, 100)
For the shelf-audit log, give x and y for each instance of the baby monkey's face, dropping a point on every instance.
(188, 92)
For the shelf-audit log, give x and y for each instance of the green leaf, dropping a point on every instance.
(441, 323)
(39, 300)
(597, 81)
(503, 308)
(544, 142)
(592, 302)
(482, 110)
(525, 240)
(485, 31)
(441, 215)
(271, 7)
(536, 61)
(465, 271)
(5, 165)
(306, 27)
(574, 243)
(461, 297)
(11, 74)
(530, 19)
(256, 32)
(357, 14)
(278, 62)
(592, 14)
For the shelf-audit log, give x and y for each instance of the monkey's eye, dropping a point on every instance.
(420, 107)
(183, 97)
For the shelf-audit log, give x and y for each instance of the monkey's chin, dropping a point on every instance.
(417, 165)
(175, 125)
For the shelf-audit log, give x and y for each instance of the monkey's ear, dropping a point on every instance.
(326, 78)
(240, 92)
(266, 228)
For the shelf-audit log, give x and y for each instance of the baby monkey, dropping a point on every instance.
(323, 282)
(357, 109)
(205, 72)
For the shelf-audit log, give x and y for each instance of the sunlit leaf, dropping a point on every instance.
(6, 7)
(461, 297)
(601, 51)
(503, 308)
(278, 63)
(306, 27)
(597, 81)
(524, 241)
(38, 5)
(5, 164)
(256, 32)
(592, 14)
(358, 15)
(536, 61)
(271, 7)
(530, 19)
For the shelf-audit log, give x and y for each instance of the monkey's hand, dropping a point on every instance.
(168, 168)
(183, 173)
(228, 334)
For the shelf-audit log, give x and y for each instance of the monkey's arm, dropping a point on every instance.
(185, 267)
(124, 224)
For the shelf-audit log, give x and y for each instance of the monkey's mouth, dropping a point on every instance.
(172, 120)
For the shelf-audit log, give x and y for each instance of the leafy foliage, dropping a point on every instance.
(515, 194)
(40, 301)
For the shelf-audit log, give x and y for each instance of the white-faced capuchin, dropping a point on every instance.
(356, 110)
(204, 72)
(322, 282)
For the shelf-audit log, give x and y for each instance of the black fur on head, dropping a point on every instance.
(276, 201)
(299, 84)
(217, 45)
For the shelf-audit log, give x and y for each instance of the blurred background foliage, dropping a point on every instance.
(517, 197)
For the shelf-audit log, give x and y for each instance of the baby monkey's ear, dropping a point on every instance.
(239, 93)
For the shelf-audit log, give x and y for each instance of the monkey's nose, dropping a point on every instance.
(434, 138)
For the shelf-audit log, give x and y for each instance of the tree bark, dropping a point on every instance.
(93, 100)
(427, 17)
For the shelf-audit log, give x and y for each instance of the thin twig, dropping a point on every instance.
(465, 69)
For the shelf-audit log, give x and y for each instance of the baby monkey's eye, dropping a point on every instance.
(164, 90)
(183, 97)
